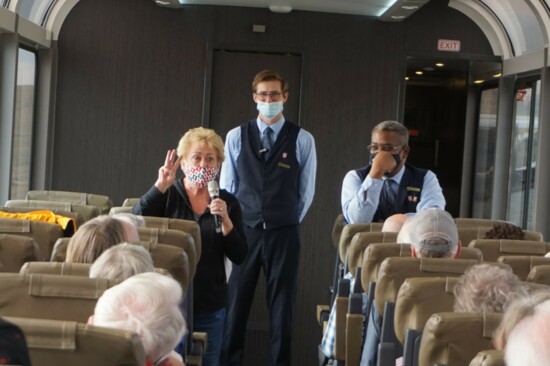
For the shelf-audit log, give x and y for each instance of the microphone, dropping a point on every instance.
(214, 192)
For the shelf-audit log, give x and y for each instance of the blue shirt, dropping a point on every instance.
(360, 198)
(305, 154)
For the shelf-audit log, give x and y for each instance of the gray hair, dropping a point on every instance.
(135, 220)
(121, 262)
(146, 304)
(393, 126)
(487, 288)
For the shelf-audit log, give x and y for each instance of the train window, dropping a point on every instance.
(521, 191)
(485, 154)
(23, 124)
(35, 10)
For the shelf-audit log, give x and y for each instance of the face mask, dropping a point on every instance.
(397, 158)
(269, 110)
(199, 176)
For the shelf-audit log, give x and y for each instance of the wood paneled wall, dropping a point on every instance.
(131, 81)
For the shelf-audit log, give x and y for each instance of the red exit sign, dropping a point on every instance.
(448, 45)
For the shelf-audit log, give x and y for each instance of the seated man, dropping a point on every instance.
(146, 304)
(387, 185)
(432, 234)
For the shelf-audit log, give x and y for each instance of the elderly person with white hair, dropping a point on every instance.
(121, 262)
(146, 304)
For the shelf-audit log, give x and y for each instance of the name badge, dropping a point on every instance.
(283, 165)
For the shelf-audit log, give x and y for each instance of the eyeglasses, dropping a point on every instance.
(387, 148)
(275, 95)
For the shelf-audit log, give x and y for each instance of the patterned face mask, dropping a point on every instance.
(199, 176)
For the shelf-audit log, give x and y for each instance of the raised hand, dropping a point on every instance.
(167, 172)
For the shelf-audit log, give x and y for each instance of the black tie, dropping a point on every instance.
(267, 141)
(390, 194)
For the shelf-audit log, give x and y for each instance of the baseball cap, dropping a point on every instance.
(434, 230)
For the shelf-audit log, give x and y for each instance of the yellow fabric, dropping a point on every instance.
(42, 215)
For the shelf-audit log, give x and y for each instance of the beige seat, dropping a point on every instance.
(54, 343)
(337, 228)
(172, 237)
(118, 209)
(50, 296)
(419, 298)
(361, 241)
(385, 250)
(491, 357)
(540, 274)
(349, 231)
(57, 268)
(130, 202)
(103, 203)
(87, 212)
(15, 251)
(394, 271)
(187, 226)
(45, 234)
(456, 338)
(473, 222)
(172, 258)
(66, 269)
(522, 264)
(494, 248)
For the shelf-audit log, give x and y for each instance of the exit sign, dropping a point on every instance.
(448, 45)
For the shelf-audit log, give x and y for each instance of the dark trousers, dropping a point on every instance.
(277, 252)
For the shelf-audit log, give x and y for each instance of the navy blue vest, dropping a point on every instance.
(408, 193)
(268, 190)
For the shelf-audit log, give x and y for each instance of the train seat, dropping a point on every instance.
(87, 212)
(103, 203)
(475, 222)
(44, 296)
(173, 259)
(55, 342)
(361, 241)
(523, 264)
(539, 274)
(177, 238)
(119, 209)
(15, 251)
(130, 202)
(44, 234)
(494, 248)
(456, 338)
(490, 357)
(187, 226)
(57, 268)
(348, 233)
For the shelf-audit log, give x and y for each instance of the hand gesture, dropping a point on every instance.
(167, 172)
(382, 163)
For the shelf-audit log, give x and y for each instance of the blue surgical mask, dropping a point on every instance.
(269, 110)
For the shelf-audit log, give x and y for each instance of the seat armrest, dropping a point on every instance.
(323, 312)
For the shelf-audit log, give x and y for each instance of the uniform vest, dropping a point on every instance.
(268, 189)
(408, 193)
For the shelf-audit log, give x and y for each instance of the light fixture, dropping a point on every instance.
(406, 78)
(283, 9)
(398, 17)
(497, 75)
(478, 81)
(401, 9)
(439, 64)
(419, 72)
(409, 7)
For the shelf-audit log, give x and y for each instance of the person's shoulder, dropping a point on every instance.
(226, 196)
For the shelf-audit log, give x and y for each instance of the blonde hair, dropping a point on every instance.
(487, 288)
(205, 135)
(93, 238)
